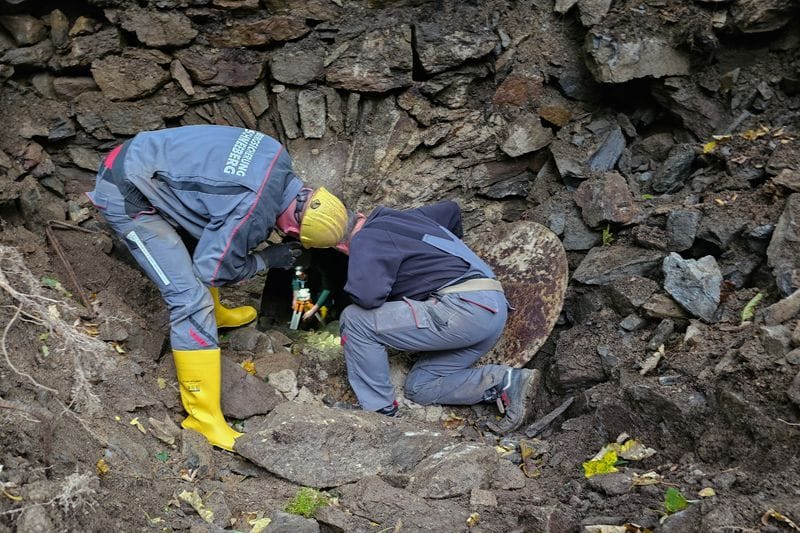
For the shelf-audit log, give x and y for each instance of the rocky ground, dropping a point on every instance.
(657, 138)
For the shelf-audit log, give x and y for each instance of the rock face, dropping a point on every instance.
(322, 447)
(631, 130)
(616, 60)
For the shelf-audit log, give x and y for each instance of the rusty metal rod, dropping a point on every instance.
(63, 257)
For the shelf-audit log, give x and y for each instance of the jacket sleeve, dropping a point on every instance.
(446, 214)
(222, 255)
(372, 268)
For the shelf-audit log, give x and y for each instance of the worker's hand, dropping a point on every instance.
(280, 255)
(311, 312)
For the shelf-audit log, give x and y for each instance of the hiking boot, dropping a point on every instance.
(514, 397)
(392, 410)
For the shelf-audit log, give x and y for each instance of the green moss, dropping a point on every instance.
(306, 502)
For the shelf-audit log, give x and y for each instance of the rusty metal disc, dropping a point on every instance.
(531, 263)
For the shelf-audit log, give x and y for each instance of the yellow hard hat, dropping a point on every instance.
(324, 220)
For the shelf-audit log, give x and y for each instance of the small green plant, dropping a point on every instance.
(647, 197)
(306, 502)
(608, 237)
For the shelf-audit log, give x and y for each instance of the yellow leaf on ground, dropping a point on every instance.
(709, 147)
(162, 383)
(249, 367)
(775, 515)
(259, 525)
(102, 467)
(603, 465)
(139, 426)
(12, 497)
(473, 519)
(706, 492)
(193, 499)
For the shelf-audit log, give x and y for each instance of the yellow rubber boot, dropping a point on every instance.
(231, 317)
(200, 378)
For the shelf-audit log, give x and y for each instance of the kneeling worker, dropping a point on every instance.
(224, 188)
(417, 287)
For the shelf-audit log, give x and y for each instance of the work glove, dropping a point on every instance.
(280, 255)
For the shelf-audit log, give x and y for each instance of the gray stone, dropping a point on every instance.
(25, 29)
(311, 107)
(606, 155)
(128, 77)
(788, 178)
(155, 28)
(577, 235)
(676, 168)
(245, 339)
(197, 454)
(84, 158)
(526, 134)
(37, 55)
(776, 340)
(59, 29)
(482, 498)
(604, 264)
(290, 523)
(783, 253)
(84, 49)
(593, 11)
(34, 519)
(607, 199)
(783, 310)
(632, 322)
(702, 114)
(245, 395)
(378, 61)
(289, 113)
(298, 63)
(613, 484)
(720, 227)
(320, 447)
(284, 381)
(256, 33)
(686, 521)
(758, 16)
(663, 306)
(181, 76)
(682, 225)
(451, 88)
(695, 284)
(661, 335)
(508, 476)
(614, 60)
(259, 99)
(630, 293)
(454, 470)
(236, 68)
(388, 506)
(68, 88)
(439, 50)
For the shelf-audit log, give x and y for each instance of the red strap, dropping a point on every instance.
(109, 162)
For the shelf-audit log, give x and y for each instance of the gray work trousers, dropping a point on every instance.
(160, 252)
(452, 331)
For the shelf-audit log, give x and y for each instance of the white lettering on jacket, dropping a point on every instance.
(242, 152)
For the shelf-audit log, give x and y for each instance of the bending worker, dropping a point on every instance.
(417, 287)
(224, 188)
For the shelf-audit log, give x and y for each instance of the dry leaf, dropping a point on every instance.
(139, 426)
(193, 499)
(707, 492)
(102, 467)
